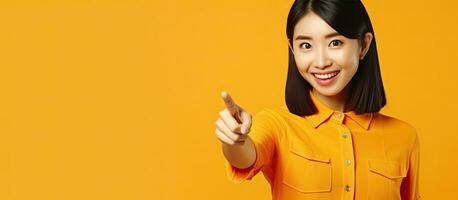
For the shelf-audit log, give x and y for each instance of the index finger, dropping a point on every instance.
(230, 104)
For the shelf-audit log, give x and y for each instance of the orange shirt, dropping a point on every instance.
(333, 155)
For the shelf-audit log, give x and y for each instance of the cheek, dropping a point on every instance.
(302, 63)
(349, 61)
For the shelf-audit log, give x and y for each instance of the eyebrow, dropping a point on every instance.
(304, 37)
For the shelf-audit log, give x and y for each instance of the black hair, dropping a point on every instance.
(350, 19)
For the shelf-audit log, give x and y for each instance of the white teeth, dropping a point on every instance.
(325, 76)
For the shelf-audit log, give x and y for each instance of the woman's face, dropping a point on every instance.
(325, 59)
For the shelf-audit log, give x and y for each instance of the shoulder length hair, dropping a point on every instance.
(349, 18)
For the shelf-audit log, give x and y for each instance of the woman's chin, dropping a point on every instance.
(329, 91)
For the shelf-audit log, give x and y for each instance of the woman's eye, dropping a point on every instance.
(336, 42)
(305, 45)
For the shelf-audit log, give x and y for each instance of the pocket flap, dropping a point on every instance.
(388, 168)
(300, 149)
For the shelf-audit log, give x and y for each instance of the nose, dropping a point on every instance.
(322, 60)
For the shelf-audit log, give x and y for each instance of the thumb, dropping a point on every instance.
(246, 122)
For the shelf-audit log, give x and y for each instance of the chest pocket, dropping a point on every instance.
(306, 171)
(385, 178)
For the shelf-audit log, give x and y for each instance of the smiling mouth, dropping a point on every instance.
(326, 75)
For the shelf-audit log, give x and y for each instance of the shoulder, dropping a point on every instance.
(390, 124)
(390, 121)
(279, 113)
(273, 115)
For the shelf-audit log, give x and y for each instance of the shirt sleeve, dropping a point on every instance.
(263, 132)
(410, 184)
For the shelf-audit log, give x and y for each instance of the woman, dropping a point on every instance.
(329, 141)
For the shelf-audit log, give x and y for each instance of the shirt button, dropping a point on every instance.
(338, 115)
(347, 188)
(344, 135)
(347, 162)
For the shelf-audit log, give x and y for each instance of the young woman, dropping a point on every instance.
(329, 141)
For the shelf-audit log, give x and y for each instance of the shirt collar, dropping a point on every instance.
(325, 112)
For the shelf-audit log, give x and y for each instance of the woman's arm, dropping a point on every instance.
(232, 128)
(241, 156)
(410, 184)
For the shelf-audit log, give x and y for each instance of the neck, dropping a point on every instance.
(336, 102)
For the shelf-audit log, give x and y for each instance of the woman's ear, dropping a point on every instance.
(366, 43)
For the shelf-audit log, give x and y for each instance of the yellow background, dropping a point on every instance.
(118, 99)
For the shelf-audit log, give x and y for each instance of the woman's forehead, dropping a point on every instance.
(312, 25)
